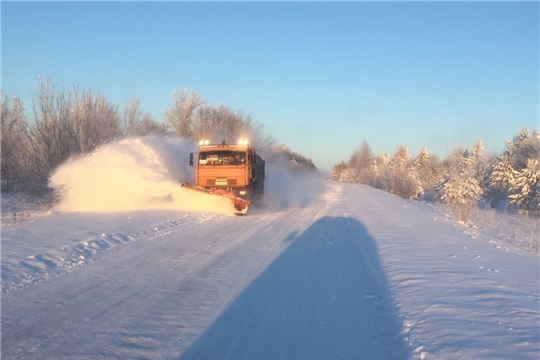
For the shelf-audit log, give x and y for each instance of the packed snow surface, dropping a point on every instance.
(323, 270)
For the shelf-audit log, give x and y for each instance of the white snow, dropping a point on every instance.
(134, 173)
(326, 271)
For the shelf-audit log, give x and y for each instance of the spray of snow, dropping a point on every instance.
(286, 187)
(133, 174)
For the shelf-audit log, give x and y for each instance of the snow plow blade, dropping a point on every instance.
(240, 205)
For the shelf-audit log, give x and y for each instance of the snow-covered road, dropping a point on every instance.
(353, 274)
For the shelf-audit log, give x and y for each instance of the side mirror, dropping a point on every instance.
(191, 159)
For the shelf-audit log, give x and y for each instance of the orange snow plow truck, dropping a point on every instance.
(233, 171)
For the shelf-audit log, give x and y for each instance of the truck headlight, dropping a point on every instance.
(242, 192)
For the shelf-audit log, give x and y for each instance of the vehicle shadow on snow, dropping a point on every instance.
(325, 297)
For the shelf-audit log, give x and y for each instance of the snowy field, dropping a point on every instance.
(324, 270)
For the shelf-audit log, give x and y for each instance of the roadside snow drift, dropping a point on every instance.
(133, 174)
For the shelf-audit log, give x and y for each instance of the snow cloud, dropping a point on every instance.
(133, 174)
(286, 187)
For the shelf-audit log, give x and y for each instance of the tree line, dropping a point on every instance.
(461, 180)
(62, 124)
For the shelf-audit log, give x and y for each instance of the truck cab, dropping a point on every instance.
(235, 169)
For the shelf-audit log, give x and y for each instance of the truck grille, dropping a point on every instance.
(220, 182)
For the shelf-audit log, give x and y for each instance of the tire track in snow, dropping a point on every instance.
(148, 298)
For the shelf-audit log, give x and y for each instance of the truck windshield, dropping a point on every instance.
(222, 157)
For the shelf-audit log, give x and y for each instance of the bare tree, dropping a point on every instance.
(95, 121)
(221, 123)
(138, 123)
(62, 125)
(50, 135)
(218, 123)
(13, 138)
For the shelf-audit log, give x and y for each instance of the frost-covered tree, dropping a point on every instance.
(429, 173)
(138, 123)
(180, 116)
(51, 137)
(460, 189)
(503, 174)
(461, 192)
(420, 164)
(361, 161)
(422, 157)
(522, 147)
(380, 168)
(525, 188)
(335, 173)
(479, 165)
(348, 175)
(400, 176)
(217, 123)
(94, 120)
(500, 180)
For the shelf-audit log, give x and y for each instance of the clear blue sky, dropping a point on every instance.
(320, 76)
